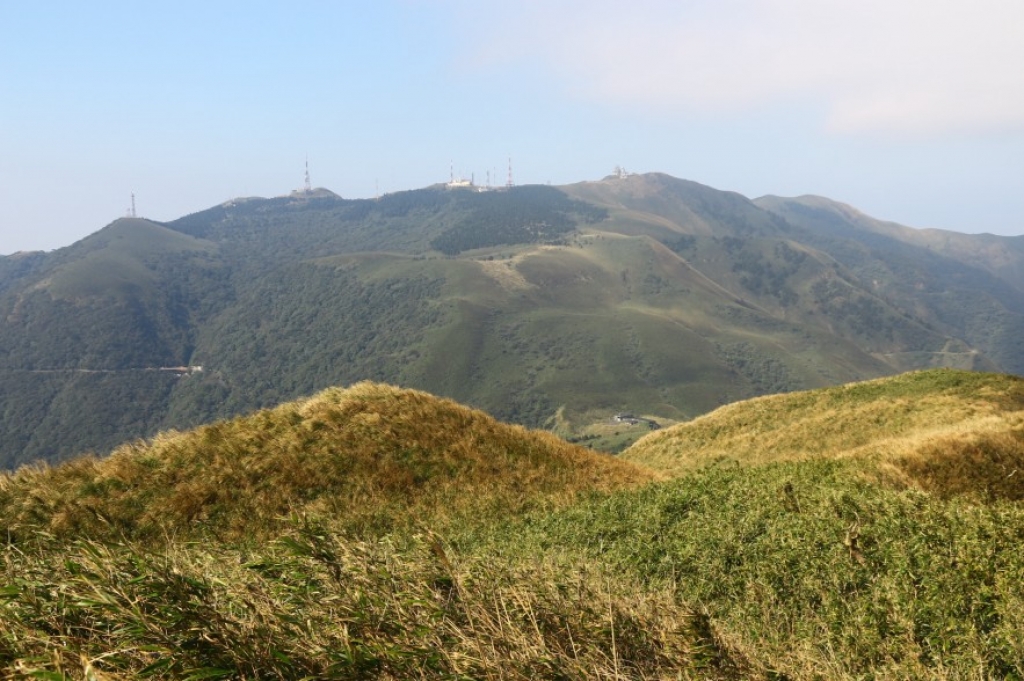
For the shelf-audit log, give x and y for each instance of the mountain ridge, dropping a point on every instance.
(645, 293)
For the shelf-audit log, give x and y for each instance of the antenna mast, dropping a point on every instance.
(309, 185)
(133, 204)
(510, 182)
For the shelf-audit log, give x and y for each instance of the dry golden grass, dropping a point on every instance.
(312, 605)
(984, 459)
(945, 431)
(372, 458)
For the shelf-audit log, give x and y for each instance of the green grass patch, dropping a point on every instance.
(803, 570)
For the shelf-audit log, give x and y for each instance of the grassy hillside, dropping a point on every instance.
(303, 542)
(370, 457)
(871, 529)
(945, 431)
(382, 533)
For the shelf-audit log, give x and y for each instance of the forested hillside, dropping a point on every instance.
(646, 294)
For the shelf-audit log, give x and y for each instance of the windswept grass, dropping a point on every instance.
(946, 431)
(372, 458)
(313, 605)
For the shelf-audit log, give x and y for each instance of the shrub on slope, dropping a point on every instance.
(946, 431)
(371, 457)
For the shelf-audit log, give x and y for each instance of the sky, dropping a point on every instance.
(909, 110)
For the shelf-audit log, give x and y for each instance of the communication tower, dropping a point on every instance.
(510, 183)
(309, 185)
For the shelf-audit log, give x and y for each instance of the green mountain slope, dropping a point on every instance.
(130, 293)
(87, 335)
(646, 294)
(601, 325)
(790, 270)
(967, 287)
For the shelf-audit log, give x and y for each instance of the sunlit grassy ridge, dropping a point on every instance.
(370, 457)
(946, 431)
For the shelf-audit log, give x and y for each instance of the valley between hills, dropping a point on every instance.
(308, 437)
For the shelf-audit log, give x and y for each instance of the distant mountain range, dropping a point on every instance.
(538, 304)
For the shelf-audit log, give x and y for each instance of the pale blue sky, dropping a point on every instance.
(910, 110)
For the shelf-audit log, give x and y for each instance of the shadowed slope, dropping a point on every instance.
(372, 457)
(947, 431)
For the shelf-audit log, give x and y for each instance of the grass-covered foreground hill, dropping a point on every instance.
(370, 457)
(380, 533)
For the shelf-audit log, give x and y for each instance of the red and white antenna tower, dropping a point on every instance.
(510, 182)
(309, 185)
(133, 205)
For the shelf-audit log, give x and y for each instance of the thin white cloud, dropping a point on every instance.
(881, 66)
